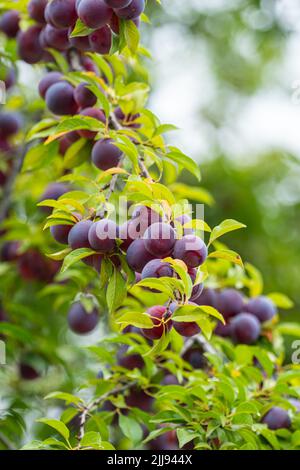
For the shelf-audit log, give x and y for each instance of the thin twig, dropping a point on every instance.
(6, 442)
(8, 188)
(205, 345)
(94, 404)
(117, 126)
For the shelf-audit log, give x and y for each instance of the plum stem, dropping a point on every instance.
(8, 188)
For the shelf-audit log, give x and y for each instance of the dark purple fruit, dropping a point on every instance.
(60, 233)
(157, 268)
(262, 307)
(94, 13)
(60, 99)
(29, 46)
(190, 249)
(36, 10)
(61, 13)
(230, 303)
(160, 239)
(137, 256)
(78, 235)
(102, 236)
(101, 40)
(95, 114)
(84, 97)
(277, 418)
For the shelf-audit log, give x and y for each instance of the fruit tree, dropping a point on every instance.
(127, 322)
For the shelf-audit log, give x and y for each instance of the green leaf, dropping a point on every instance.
(77, 153)
(188, 313)
(60, 427)
(289, 328)
(116, 290)
(197, 194)
(66, 397)
(226, 226)
(130, 428)
(76, 256)
(102, 65)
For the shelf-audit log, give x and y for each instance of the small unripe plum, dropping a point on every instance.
(78, 235)
(9, 23)
(94, 13)
(60, 233)
(54, 191)
(127, 234)
(225, 331)
(157, 314)
(29, 46)
(10, 78)
(9, 251)
(60, 99)
(196, 292)
(66, 141)
(157, 268)
(28, 372)
(84, 97)
(170, 379)
(10, 123)
(182, 220)
(194, 356)
(160, 239)
(105, 154)
(230, 302)
(132, 11)
(36, 10)
(190, 249)
(80, 321)
(277, 418)
(61, 13)
(137, 256)
(47, 81)
(101, 40)
(81, 43)
(102, 236)
(130, 361)
(262, 307)
(56, 38)
(89, 65)
(117, 3)
(245, 328)
(208, 297)
(95, 114)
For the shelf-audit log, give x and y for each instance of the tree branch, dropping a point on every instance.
(6, 442)
(8, 188)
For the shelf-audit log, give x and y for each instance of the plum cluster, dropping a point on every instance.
(55, 20)
(244, 318)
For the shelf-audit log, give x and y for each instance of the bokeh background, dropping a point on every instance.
(227, 73)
